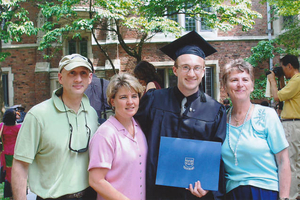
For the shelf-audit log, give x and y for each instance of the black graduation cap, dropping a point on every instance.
(191, 43)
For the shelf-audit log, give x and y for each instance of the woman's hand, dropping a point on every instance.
(197, 190)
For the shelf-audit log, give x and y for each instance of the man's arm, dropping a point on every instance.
(142, 116)
(19, 179)
(105, 84)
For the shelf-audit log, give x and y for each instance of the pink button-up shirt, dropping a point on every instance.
(114, 148)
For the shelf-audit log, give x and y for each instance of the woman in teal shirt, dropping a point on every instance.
(255, 148)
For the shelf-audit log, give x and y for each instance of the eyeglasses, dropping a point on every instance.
(88, 130)
(186, 69)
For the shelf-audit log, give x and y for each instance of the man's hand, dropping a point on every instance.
(271, 77)
(273, 85)
(197, 190)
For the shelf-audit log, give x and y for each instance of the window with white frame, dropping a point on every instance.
(282, 23)
(5, 89)
(208, 81)
(78, 46)
(173, 17)
(203, 22)
(7, 84)
(288, 20)
(191, 23)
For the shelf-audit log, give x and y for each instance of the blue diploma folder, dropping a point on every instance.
(184, 161)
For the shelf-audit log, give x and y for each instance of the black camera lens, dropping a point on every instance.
(277, 71)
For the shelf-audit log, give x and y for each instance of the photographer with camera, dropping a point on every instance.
(290, 115)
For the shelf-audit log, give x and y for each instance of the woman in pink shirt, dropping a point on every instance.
(118, 150)
(10, 130)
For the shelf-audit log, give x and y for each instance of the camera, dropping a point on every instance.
(277, 71)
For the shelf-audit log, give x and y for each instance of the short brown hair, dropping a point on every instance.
(238, 64)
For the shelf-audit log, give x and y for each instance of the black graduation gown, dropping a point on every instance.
(159, 115)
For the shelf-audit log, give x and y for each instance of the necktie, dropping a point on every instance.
(183, 102)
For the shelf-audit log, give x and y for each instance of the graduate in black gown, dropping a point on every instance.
(201, 117)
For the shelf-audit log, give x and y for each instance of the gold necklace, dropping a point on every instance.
(237, 121)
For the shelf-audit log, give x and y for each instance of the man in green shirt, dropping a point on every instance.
(52, 145)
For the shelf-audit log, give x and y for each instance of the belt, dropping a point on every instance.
(283, 120)
(76, 195)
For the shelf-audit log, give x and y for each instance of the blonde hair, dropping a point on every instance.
(122, 80)
(239, 65)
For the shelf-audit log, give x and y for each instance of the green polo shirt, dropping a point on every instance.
(43, 142)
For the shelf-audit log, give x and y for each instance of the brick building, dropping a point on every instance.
(29, 79)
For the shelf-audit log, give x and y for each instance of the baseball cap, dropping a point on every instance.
(72, 61)
(191, 43)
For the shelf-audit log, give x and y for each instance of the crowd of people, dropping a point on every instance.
(64, 151)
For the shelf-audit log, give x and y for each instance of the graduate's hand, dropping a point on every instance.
(197, 190)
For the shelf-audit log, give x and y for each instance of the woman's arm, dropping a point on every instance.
(284, 173)
(103, 187)
(150, 85)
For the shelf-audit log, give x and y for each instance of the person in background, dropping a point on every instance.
(20, 109)
(183, 111)
(118, 150)
(290, 114)
(9, 133)
(52, 145)
(96, 93)
(226, 103)
(264, 103)
(146, 74)
(278, 110)
(255, 150)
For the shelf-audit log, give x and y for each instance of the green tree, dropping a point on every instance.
(287, 42)
(14, 24)
(290, 39)
(285, 7)
(261, 53)
(290, 9)
(144, 17)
